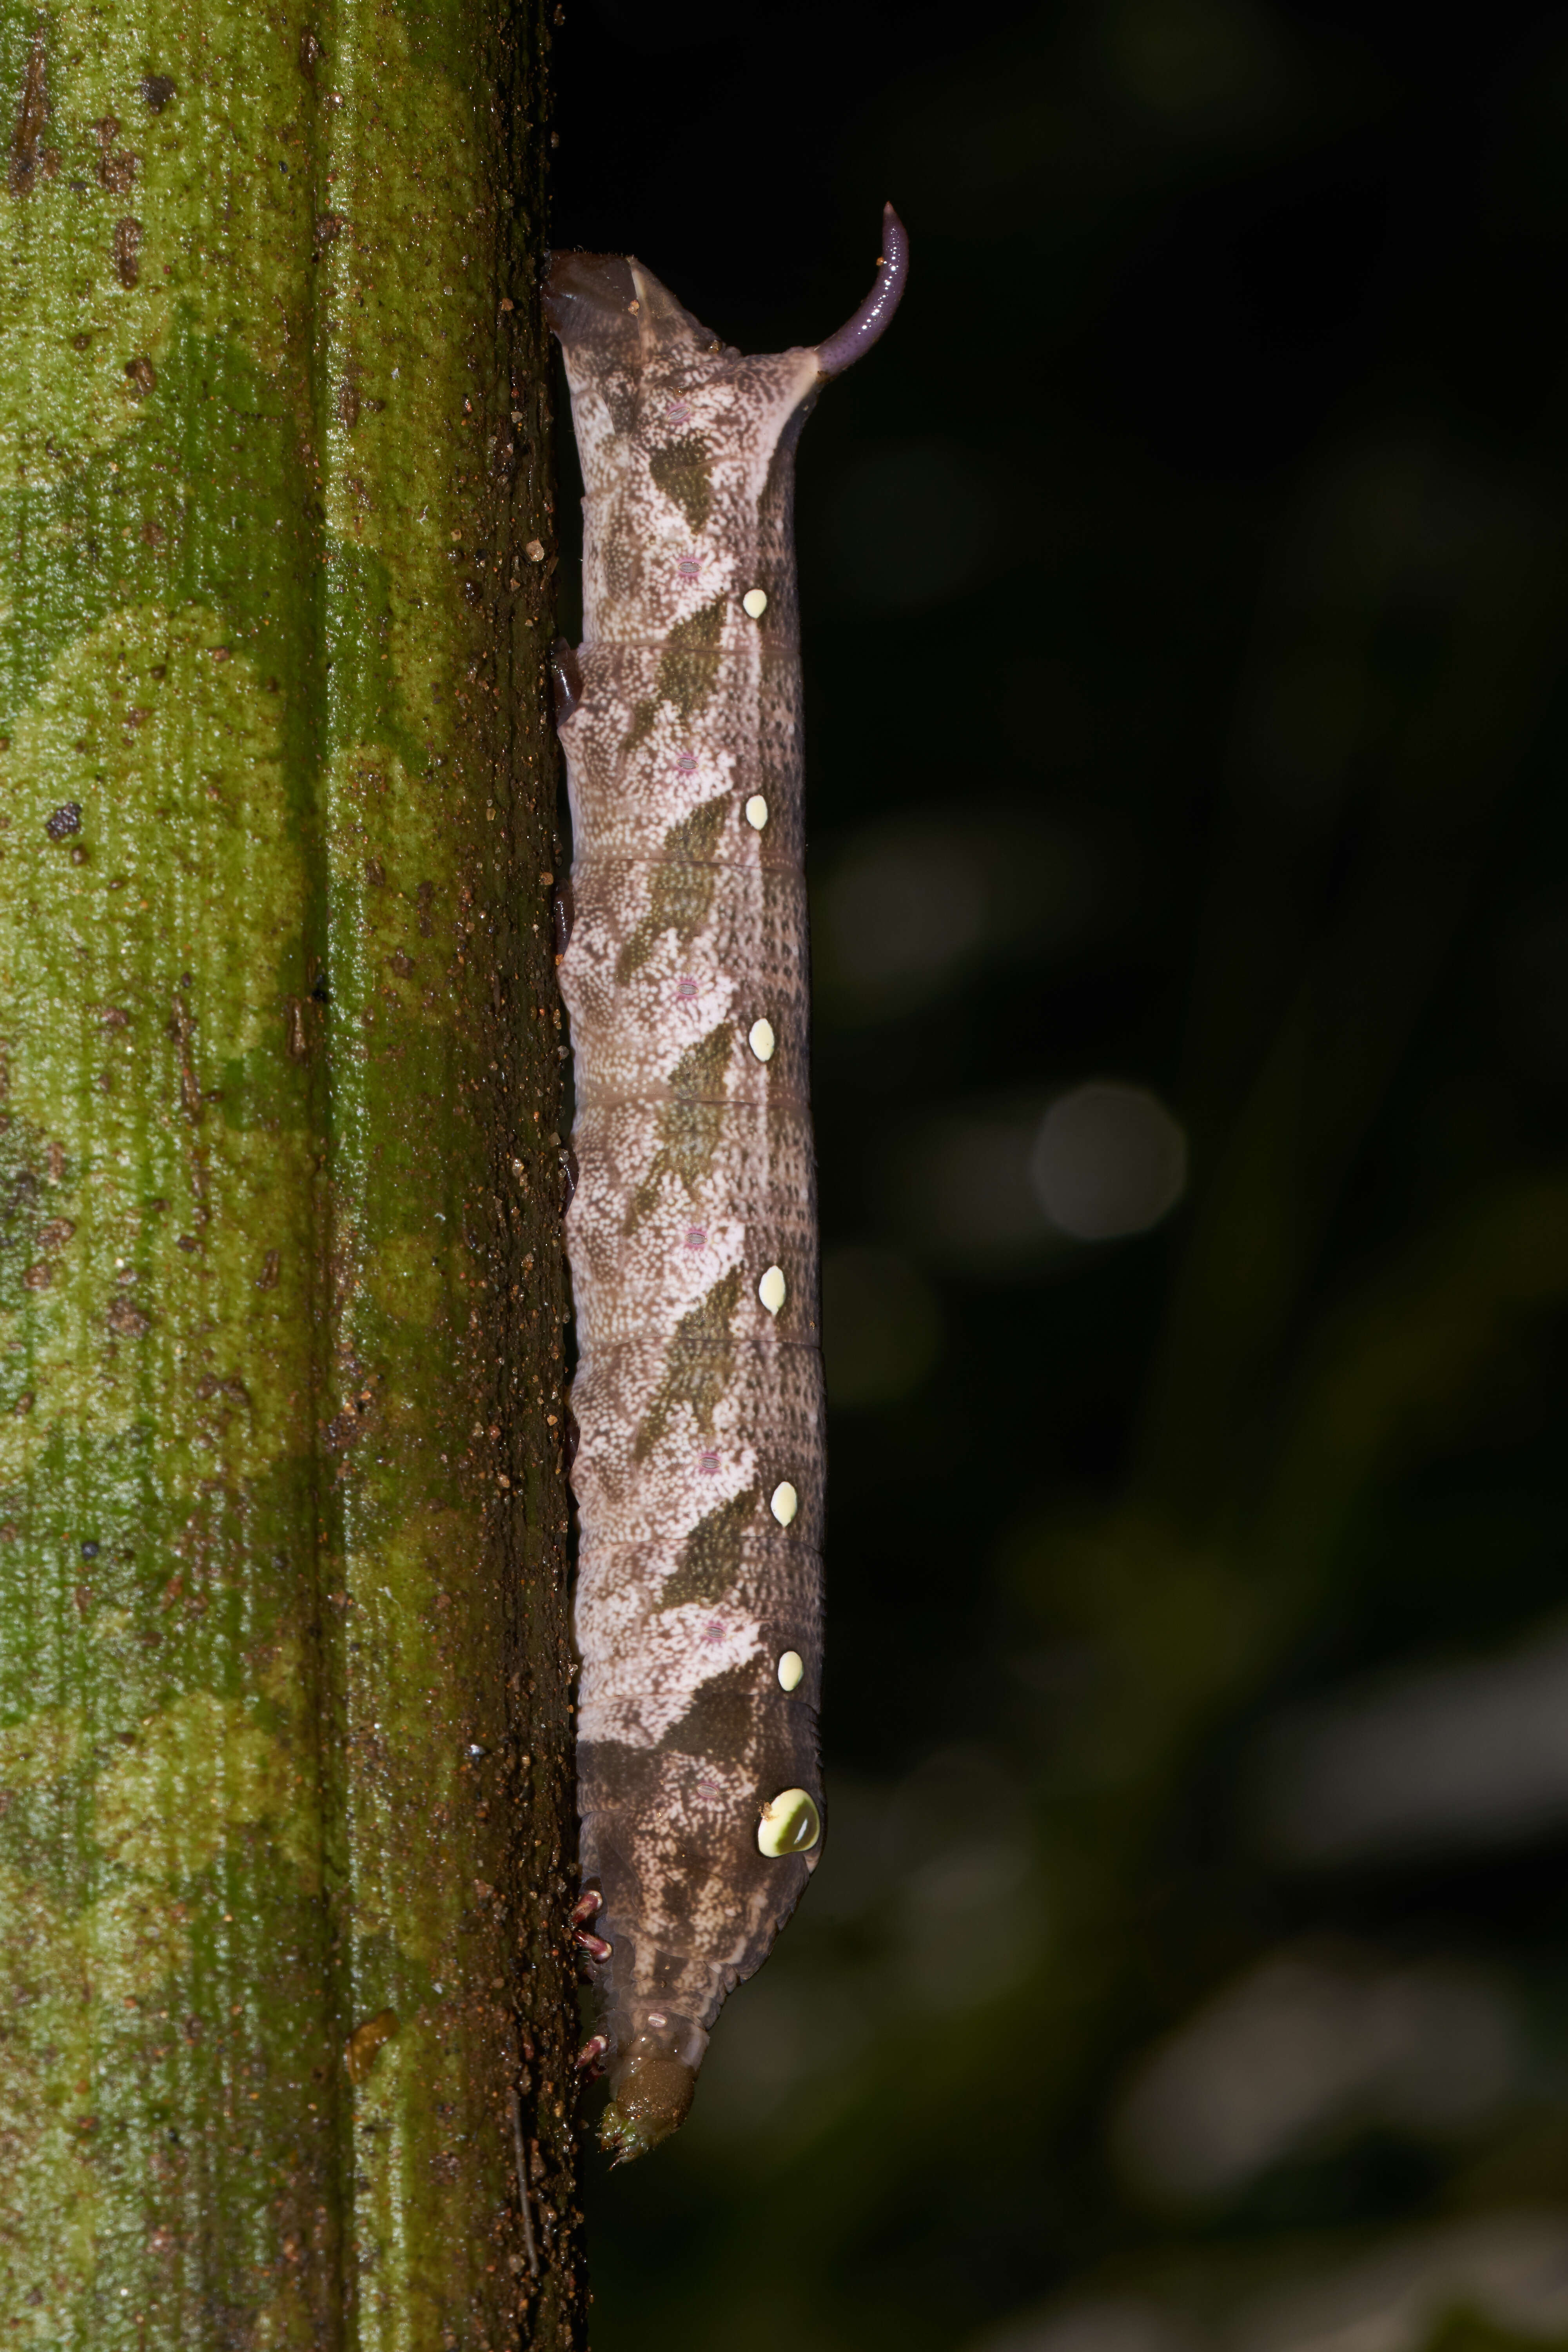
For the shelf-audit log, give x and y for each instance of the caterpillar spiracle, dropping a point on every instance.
(691, 1234)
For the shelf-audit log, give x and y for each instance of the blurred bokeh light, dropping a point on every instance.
(1108, 1160)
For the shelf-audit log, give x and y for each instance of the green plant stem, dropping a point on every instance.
(284, 1731)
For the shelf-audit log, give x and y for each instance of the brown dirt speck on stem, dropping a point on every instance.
(126, 250)
(33, 108)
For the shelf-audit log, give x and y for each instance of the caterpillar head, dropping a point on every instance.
(608, 302)
(687, 449)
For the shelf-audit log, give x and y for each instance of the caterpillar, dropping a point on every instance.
(692, 1231)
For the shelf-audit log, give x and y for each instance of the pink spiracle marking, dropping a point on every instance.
(696, 1238)
(686, 988)
(678, 412)
(686, 763)
(713, 1633)
(688, 567)
(708, 1466)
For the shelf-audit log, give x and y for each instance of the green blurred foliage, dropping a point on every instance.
(1184, 593)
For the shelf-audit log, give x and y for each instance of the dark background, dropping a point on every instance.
(1184, 597)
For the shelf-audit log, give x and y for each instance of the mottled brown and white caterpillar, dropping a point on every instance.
(692, 1232)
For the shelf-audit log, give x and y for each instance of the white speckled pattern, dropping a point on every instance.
(692, 1234)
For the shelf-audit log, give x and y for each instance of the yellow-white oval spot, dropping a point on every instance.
(762, 1040)
(785, 1503)
(771, 1289)
(790, 1823)
(792, 1666)
(755, 604)
(756, 812)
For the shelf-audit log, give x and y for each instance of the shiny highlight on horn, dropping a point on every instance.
(857, 334)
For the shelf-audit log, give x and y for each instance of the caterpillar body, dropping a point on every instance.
(691, 1234)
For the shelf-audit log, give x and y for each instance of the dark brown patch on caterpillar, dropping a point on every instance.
(719, 1722)
(621, 400)
(711, 1560)
(688, 1130)
(696, 1365)
(688, 670)
(690, 662)
(682, 888)
(682, 472)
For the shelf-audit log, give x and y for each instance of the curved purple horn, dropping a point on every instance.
(858, 333)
